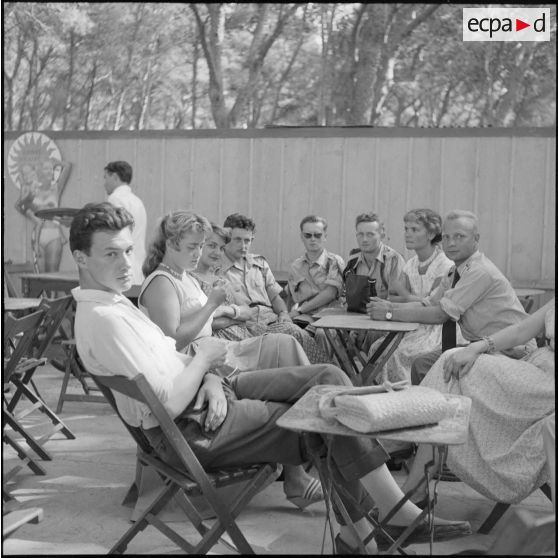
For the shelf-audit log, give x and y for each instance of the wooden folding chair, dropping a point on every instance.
(13, 520)
(522, 535)
(500, 509)
(74, 368)
(18, 336)
(191, 480)
(20, 366)
(55, 311)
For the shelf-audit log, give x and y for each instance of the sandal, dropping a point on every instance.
(312, 494)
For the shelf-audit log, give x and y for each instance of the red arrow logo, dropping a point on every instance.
(519, 25)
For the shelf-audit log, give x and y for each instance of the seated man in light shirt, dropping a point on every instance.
(227, 422)
(475, 294)
(253, 283)
(315, 279)
(374, 258)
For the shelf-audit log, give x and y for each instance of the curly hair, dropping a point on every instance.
(431, 221)
(238, 221)
(94, 217)
(172, 227)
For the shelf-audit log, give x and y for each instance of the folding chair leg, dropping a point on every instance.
(44, 408)
(133, 492)
(12, 422)
(24, 456)
(145, 519)
(497, 512)
(64, 387)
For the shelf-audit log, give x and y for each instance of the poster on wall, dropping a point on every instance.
(37, 170)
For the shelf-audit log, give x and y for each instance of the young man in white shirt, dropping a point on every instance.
(118, 176)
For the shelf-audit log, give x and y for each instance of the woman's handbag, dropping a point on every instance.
(358, 290)
(385, 407)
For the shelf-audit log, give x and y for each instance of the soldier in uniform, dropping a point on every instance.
(315, 279)
(253, 284)
(373, 257)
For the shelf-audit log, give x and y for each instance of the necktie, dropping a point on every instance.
(449, 333)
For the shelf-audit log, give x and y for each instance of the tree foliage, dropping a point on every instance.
(136, 66)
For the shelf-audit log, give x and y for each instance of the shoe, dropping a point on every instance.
(312, 494)
(342, 548)
(421, 533)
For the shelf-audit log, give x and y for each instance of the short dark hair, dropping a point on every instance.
(313, 219)
(430, 220)
(368, 218)
(95, 217)
(122, 169)
(238, 221)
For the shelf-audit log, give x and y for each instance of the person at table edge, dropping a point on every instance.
(315, 279)
(374, 258)
(482, 300)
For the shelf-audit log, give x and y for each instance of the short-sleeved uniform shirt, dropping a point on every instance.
(307, 279)
(386, 268)
(482, 301)
(251, 280)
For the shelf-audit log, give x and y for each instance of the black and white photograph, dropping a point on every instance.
(278, 278)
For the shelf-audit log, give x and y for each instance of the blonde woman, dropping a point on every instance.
(174, 300)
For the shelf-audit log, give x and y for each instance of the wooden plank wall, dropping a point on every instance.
(277, 176)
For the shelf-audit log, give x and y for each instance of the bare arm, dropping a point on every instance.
(458, 363)
(324, 297)
(403, 289)
(406, 312)
(280, 308)
(163, 306)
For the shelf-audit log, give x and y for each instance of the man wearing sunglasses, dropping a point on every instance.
(315, 279)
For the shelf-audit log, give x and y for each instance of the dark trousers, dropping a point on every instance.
(249, 433)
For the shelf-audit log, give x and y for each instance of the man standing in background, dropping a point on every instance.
(118, 176)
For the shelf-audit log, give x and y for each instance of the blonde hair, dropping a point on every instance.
(464, 214)
(172, 227)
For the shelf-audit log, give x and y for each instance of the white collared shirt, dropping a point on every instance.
(113, 337)
(122, 196)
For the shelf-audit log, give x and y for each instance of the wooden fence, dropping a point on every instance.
(277, 176)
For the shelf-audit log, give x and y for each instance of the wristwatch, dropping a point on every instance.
(389, 315)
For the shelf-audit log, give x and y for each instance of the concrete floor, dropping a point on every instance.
(87, 479)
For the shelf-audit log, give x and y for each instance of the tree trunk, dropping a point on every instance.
(90, 95)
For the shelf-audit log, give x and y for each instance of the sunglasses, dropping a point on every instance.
(310, 235)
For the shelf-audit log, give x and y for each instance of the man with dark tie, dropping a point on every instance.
(474, 294)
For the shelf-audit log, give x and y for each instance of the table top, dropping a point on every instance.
(13, 304)
(356, 321)
(528, 292)
(305, 416)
